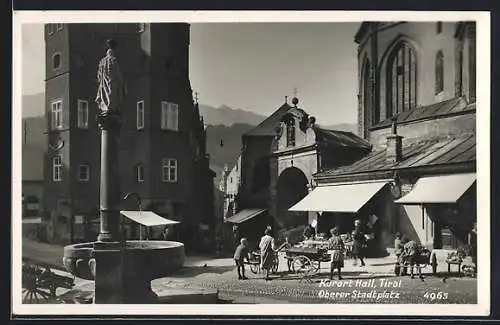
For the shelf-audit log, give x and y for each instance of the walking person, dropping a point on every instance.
(359, 243)
(267, 247)
(240, 254)
(337, 248)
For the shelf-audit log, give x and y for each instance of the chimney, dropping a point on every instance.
(394, 150)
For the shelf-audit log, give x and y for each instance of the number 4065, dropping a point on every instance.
(436, 295)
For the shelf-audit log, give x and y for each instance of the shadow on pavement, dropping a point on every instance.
(190, 271)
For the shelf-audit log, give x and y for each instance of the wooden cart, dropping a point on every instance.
(306, 261)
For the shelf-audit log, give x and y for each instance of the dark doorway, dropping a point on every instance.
(292, 187)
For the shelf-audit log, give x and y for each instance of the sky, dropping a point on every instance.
(253, 66)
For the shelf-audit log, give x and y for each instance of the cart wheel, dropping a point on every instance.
(254, 268)
(301, 264)
(315, 266)
(31, 283)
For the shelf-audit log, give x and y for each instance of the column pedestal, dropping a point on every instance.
(108, 272)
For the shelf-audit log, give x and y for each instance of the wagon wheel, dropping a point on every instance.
(301, 264)
(254, 268)
(31, 283)
(316, 265)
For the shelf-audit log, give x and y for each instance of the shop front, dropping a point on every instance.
(449, 202)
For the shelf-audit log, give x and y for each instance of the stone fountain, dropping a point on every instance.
(122, 270)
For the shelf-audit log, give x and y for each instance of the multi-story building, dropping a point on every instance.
(417, 107)
(162, 154)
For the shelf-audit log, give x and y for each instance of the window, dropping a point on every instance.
(140, 115)
(141, 27)
(56, 61)
(371, 111)
(139, 173)
(59, 27)
(439, 27)
(56, 114)
(57, 167)
(290, 133)
(169, 116)
(83, 114)
(169, 170)
(401, 80)
(84, 173)
(50, 29)
(439, 72)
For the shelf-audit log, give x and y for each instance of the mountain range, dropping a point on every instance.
(224, 127)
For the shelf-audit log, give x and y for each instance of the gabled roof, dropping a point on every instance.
(341, 138)
(437, 151)
(450, 106)
(268, 126)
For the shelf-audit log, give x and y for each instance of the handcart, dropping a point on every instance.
(306, 261)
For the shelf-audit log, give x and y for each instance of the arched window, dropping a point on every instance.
(439, 72)
(290, 132)
(371, 111)
(401, 79)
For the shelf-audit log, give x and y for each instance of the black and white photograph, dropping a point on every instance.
(195, 162)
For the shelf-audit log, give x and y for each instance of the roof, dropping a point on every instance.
(454, 105)
(268, 126)
(342, 138)
(32, 160)
(361, 31)
(244, 215)
(421, 153)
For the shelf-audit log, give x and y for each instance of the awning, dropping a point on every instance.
(338, 198)
(439, 189)
(244, 215)
(147, 218)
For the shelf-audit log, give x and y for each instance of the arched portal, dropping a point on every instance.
(292, 187)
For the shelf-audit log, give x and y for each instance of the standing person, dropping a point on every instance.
(165, 233)
(359, 243)
(236, 235)
(411, 251)
(240, 254)
(267, 247)
(337, 248)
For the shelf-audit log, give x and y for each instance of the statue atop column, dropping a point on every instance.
(112, 89)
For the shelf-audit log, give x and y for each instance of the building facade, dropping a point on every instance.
(162, 154)
(417, 105)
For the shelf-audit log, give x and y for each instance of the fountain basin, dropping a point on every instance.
(143, 261)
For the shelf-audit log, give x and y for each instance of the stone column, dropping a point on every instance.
(109, 249)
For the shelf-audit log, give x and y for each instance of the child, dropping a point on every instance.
(241, 253)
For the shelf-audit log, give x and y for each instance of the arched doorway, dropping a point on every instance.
(292, 187)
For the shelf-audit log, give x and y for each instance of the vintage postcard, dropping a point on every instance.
(189, 163)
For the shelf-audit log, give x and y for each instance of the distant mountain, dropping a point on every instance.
(225, 115)
(348, 127)
(33, 105)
